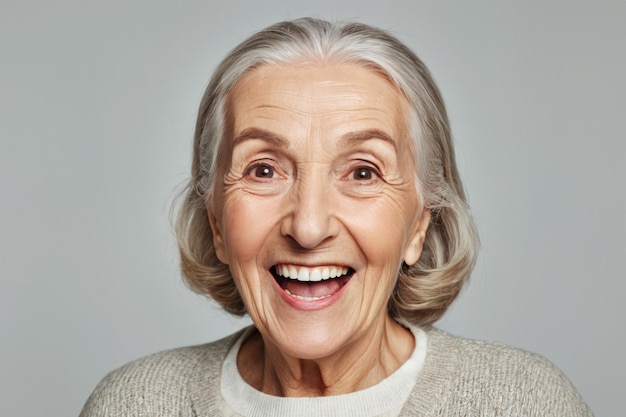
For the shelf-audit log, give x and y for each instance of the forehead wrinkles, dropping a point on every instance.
(307, 118)
(311, 102)
(316, 103)
(303, 86)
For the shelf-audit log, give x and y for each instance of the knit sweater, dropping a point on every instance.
(383, 399)
(460, 377)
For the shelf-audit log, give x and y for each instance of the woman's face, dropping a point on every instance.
(315, 207)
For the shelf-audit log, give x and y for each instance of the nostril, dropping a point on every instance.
(309, 219)
(309, 231)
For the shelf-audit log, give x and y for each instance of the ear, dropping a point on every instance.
(218, 237)
(416, 241)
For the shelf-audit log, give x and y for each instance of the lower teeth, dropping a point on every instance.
(305, 298)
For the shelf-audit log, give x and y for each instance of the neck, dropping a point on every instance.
(364, 362)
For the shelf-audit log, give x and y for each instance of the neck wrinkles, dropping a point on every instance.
(359, 365)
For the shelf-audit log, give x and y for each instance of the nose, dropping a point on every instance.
(310, 221)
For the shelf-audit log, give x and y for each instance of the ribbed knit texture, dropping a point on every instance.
(460, 377)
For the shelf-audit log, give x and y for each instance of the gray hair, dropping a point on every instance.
(423, 291)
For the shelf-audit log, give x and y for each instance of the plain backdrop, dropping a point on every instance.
(97, 108)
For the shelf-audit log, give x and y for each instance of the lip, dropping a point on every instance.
(309, 305)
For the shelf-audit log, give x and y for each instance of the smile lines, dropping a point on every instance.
(305, 274)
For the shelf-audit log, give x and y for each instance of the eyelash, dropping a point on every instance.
(269, 172)
(252, 170)
(369, 170)
(374, 173)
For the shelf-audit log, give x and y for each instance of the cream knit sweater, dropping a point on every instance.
(460, 377)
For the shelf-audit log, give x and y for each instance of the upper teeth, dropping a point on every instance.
(302, 273)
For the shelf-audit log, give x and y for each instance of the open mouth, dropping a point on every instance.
(311, 283)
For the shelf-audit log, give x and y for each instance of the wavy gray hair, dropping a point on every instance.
(423, 291)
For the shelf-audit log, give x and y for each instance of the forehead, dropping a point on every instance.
(330, 98)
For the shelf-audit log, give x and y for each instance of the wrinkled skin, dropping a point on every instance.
(318, 173)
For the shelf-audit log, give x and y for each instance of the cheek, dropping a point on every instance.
(248, 223)
(383, 222)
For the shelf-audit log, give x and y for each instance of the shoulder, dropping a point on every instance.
(496, 357)
(161, 384)
(481, 375)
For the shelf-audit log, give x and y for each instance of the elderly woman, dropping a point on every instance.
(325, 203)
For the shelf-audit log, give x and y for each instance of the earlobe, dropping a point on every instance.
(218, 239)
(416, 243)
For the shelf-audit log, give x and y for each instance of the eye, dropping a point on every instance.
(262, 171)
(361, 179)
(363, 174)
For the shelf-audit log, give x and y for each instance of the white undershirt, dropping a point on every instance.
(384, 399)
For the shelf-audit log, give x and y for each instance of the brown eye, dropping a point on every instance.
(263, 171)
(363, 174)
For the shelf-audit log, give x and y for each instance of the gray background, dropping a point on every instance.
(97, 108)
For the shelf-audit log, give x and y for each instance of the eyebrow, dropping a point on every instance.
(256, 133)
(352, 138)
